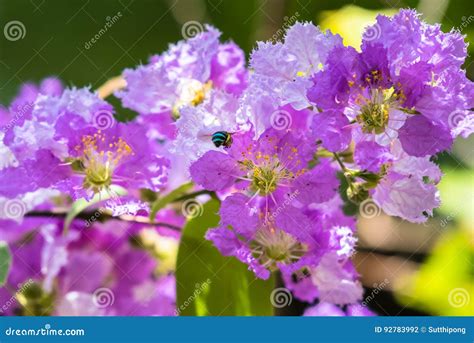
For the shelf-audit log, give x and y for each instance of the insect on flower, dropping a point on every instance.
(222, 138)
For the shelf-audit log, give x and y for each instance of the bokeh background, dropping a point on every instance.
(406, 269)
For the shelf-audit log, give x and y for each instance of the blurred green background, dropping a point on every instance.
(424, 264)
(57, 30)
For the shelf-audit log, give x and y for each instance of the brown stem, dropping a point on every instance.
(88, 216)
(112, 85)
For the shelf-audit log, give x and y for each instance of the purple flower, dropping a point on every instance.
(196, 126)
(73, 144)
(264, 245)
(403, 85)
(284, 69)
(272, 169)
(88, 272)
(408, 189)
(371, 156)
(336, 280)
(22, 105)
(185, 75)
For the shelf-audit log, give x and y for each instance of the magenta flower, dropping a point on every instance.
(388, 92)
(185, 75)
(73, 144)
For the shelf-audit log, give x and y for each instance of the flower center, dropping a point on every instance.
(265, 175)
(98, 160)
(374, 111)
(272, 246)
(191, 93)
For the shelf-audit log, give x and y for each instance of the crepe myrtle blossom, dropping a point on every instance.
(403, 85)
(21, 107)
(269, 182)
(196, 125)
(277, 92)
(329, 275)
(293, 244)
(63, 147)
(183, 76)
(270, 167)
(80, 274)
(408, 188)
(19, 110)
(400, 184)
(268, 234)
(284, 69)
(264, 245)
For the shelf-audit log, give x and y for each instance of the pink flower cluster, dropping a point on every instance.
(271, 139)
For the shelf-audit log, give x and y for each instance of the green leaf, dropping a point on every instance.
(170, 197)
(209, 284)
(80, 205)
(5, 262)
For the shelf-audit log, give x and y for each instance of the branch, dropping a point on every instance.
(193, 195)
(112, 85)
(88, 216)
